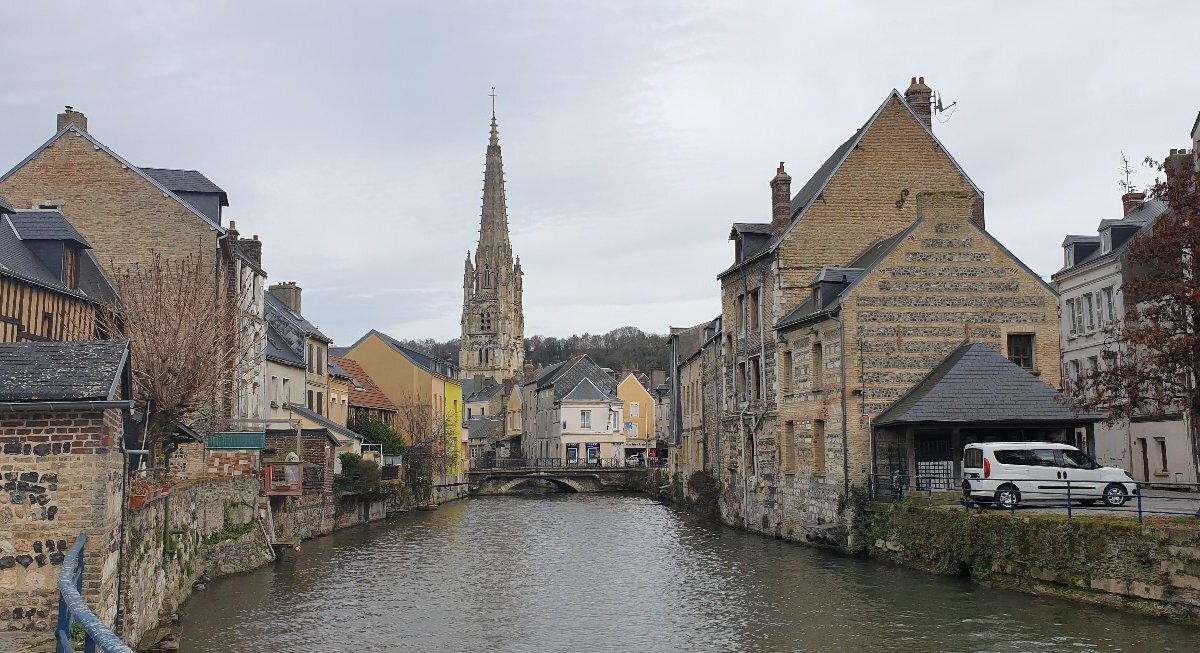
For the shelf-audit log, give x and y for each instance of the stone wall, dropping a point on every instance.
(1102, 560)
(62, 477)
(201, 526)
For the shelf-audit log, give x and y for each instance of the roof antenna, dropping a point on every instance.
(938, 108)
(1126, 171)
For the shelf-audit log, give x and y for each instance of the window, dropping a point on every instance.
(633, 409)
(818, 445)
(320, 403)
(1073, 312)
(1106, 299)
(756, 378)
(321, 366)
(1068, 256)
(1075, 369)
(1105, 241)
(311, 355)
(310, 399)
(739, 306)
(973, 458)
(585, 419)
(1020, 349)
(1093, 363)
(485, 321)
(754, 309)
(787, 447)
(287, 391)
(741, 376)
(47, 324)
(729, 344)
(468, 413)
(818, 366)
(1077, 460)
(1089, 312)
(1161, 445)
(785, 365)
(274, 390)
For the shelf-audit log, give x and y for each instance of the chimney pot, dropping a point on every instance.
(918, 96)
(1132, 200)
(288, 293)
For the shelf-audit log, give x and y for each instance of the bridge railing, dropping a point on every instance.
(72, 609)
(545, 463)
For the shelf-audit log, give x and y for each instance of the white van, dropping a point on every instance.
(1007, 473)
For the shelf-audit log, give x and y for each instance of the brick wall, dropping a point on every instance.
(125, 217)
(62, 476)
(233, 463)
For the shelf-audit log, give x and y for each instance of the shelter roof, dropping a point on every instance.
(88, 370)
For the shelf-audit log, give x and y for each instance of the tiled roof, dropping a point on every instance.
(44, 224)
(974, 383)
(61, 371)
(1142, 217)
(340, 433)
(484, 427)
(585, 390)
(336, 370)
(419, 358)
(364, 393)
(186, 181)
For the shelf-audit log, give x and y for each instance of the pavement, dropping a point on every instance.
(1154, 503)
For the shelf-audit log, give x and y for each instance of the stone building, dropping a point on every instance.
(63, 407)
(493, 319)
(638, 418)
(555, 424)
(801, 378)
(696, 370)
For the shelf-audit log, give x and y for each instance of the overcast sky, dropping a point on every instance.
(351, 136)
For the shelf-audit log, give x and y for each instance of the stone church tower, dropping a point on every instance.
(493, 320)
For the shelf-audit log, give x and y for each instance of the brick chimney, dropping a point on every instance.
(70, 115)
(288, 293)
(1178, 166)
(918, 97)
(781, 201)
(1132, 200)
(253, 248)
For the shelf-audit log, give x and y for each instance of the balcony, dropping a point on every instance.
(283, 479)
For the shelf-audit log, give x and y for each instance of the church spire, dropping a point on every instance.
(493, 222)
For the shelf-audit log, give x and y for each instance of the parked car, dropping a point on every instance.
(633, 461)
(1007, 473)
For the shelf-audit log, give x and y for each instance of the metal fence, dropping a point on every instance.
(72, 609)
(1075, 497)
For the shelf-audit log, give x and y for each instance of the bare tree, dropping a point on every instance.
(1152, 359)
(188, 356)
(433, 441)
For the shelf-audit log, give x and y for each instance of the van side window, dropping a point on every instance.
(1043, 458)
(973, 458)
(1077, 460)
(1013, 457)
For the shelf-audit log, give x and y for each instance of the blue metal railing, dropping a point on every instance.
(72, 609)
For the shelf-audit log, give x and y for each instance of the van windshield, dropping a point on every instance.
(1078, 460)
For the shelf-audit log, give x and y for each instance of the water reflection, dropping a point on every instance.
(621, 573)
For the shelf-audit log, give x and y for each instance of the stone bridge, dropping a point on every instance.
(581, 479)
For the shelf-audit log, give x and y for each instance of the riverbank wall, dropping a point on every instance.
(217, 527)
(1109, 561)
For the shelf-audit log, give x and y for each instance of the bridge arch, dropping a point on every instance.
(566, 485)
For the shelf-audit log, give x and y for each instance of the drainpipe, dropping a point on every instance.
(845, 425)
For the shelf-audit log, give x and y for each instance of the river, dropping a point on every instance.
(605, 572)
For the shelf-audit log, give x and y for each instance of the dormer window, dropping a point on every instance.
(1105, 241)
(1068, 256)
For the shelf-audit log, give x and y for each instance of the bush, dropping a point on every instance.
(375, 431)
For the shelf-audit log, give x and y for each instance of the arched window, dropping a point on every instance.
(487, 277)
(485, 321)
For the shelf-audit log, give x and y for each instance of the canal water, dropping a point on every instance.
(621, 573)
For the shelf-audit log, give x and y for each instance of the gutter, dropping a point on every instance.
(27, 406)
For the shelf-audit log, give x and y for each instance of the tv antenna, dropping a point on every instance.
(939, 108)
(1126, 171)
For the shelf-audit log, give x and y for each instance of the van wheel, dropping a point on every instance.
(1115, 495)
(1007, 497)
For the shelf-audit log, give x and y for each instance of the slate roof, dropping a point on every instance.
(752, 227)
(19, 261)
(418, 358)
(484, 428)
(87, 370)
(304, 433)
(545, 374)
(585, 390)
(811, 190)
(486, 393)
(309, 328)
(364, 392)
(1142, 217)
(186, 181)
(342, 434)
(44, 224)
(5, 207)
(974, 384)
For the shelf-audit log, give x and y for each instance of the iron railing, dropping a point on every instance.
(1072, 495)
(72, 609)
(545, 463)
